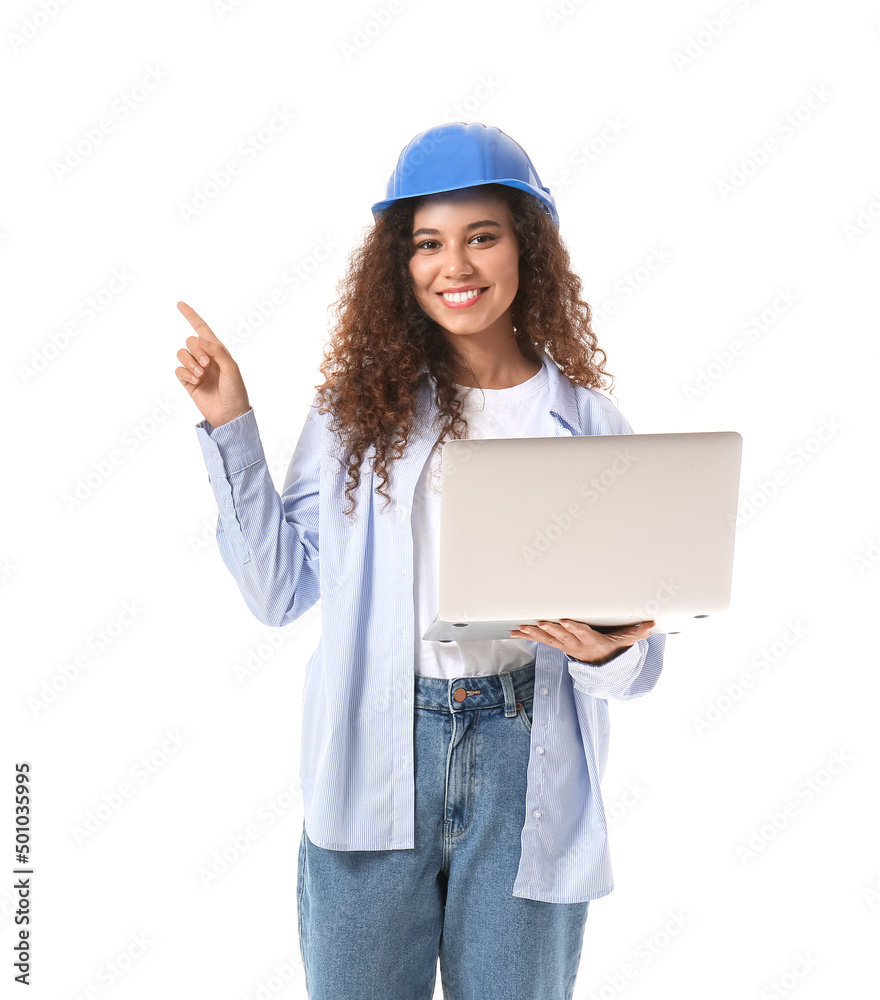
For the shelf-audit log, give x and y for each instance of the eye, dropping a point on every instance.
(490, 237)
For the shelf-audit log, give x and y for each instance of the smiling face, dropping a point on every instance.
(465, 262)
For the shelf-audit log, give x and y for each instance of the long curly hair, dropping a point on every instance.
(383, 343)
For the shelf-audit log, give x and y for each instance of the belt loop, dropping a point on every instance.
(509, 695)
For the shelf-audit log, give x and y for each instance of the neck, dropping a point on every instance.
(499, 366)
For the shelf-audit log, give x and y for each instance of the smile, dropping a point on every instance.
(461, 300)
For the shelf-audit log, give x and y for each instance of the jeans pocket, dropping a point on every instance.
(524, 713)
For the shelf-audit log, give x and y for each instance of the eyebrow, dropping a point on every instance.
(468, 228)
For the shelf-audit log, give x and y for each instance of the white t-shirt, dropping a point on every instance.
(520, 411)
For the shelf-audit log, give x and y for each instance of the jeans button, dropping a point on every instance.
(459, 694)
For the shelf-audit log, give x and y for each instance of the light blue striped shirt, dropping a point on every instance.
(357, 738)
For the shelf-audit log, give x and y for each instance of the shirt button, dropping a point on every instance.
(215, 454)
(228, 503)
(544, 691)
(537, 814)
(539, 749)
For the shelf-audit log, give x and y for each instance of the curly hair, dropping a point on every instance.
(383, 343)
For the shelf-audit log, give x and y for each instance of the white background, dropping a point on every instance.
(108, 517)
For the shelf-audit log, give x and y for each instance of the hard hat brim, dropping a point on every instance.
(542, 195)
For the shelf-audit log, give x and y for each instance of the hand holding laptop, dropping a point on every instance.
(580, 642)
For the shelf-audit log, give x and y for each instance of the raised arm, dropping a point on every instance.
(268, 542)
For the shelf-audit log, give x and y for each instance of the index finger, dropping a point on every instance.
(197, 323)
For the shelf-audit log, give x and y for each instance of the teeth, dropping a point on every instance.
(462, 296)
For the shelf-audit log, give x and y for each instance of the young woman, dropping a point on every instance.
(451, 790)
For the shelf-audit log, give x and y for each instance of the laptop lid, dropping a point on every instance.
(607, 529)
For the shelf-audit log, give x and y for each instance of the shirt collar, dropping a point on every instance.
(563, 401)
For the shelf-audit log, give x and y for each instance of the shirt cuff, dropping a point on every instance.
(590, 677)
(232, 446)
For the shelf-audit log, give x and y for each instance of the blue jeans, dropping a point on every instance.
(372, 924)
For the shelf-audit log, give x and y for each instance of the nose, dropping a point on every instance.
(456, 261)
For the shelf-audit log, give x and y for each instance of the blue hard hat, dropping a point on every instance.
(455, 156)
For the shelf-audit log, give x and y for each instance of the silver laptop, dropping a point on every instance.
(609, 529)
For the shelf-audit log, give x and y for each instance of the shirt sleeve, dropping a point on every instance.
(268, 542)
(631, 674)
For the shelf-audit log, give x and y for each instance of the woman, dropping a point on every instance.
(451, 790)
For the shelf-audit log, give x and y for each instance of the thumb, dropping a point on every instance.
(217, 352)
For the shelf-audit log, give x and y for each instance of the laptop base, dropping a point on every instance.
(441, 631)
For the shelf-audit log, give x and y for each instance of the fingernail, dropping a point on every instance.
(203, 359)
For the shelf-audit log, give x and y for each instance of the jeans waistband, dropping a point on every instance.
(465, 694)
